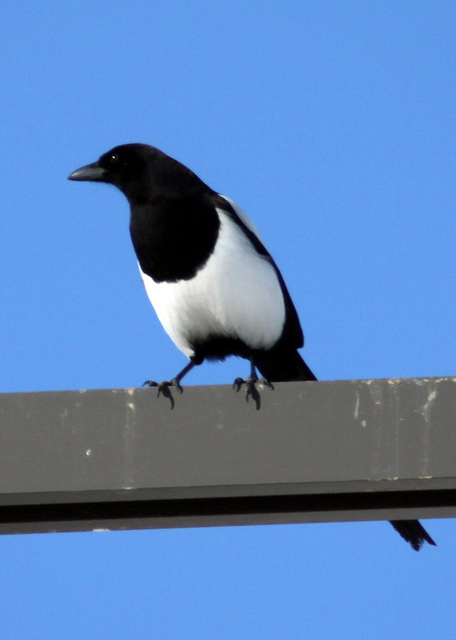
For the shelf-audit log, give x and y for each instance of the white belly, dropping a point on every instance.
(236, 294)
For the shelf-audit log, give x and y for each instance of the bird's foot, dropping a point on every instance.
(251, 382)
(251, 390)
(163, 388)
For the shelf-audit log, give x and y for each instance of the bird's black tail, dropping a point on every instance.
(278, 365)
(284, 366)
(413, 532)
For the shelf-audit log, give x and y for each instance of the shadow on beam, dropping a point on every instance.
(143, 514)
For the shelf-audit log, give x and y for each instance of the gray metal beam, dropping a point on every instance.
(313, 452)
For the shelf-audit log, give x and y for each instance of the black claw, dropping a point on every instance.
(250, 388)
(266, 383)
(163, 388)
(149, 383)
(175, 383)
(237, 384)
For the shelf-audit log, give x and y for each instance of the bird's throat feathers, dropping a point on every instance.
(174, 237)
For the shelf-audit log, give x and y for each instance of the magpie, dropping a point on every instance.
(214, 286)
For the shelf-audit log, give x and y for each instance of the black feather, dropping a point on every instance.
(413, 532)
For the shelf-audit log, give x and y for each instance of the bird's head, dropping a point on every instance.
(141, 172)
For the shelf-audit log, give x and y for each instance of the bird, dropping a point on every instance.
(213, 284)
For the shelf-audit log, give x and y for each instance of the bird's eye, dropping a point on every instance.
(114, 158)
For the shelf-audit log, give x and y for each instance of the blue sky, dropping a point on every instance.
(333, 125)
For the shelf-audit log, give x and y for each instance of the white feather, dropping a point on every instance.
(242, 215)
(236, 294)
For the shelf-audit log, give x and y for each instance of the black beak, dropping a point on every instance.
(90, 173)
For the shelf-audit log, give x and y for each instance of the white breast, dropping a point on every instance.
(236, 294)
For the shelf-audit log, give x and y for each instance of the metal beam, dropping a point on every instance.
(313, 452)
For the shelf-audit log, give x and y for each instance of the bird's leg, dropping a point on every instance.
(249, 382)
(250, 385)
(163, 387)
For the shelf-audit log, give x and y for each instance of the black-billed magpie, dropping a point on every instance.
(213, 284)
